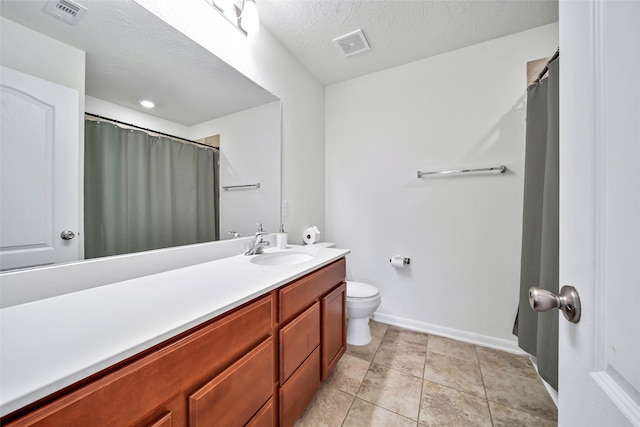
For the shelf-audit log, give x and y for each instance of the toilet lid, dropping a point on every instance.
(361, 290)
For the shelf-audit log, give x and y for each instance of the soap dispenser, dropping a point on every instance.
(281, 238)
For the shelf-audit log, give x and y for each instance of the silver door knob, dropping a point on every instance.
(67, 235)
(568, 301)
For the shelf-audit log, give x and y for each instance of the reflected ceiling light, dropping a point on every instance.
(249, 20)
(147, 104)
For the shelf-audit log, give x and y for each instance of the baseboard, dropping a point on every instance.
(553, 393)
(456, 334)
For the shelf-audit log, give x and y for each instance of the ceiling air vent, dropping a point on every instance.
(66, 10)
(352, 43)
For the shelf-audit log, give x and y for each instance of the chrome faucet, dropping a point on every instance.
(257, 246)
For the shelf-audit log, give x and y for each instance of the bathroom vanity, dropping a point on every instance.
(272, 335)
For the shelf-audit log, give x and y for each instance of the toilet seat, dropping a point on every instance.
(361, 290)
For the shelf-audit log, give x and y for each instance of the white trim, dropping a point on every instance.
(599, 37)
(618, 396)
(456, 334)
(553, 393)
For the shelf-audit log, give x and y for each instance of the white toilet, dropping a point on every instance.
(362, 301)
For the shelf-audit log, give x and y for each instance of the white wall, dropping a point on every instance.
(41, 56)
(256, 132)
(461, 109)
(263, 59)
(127, 115)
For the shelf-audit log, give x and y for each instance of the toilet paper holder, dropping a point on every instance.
(405, 261)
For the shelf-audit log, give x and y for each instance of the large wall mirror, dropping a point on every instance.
(114, 56)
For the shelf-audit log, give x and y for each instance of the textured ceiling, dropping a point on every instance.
(133, 55)
(398, 31)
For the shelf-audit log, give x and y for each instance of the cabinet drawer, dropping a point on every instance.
(127, 394)
(163, 421)
(296, 394)
(297, 340)
(237, 394)
(265, 417)
(303, 292)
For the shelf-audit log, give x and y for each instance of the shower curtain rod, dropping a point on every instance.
(546, 67)
(150, 130)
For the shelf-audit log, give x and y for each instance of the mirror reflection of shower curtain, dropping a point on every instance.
(538, 332)
(146, 192)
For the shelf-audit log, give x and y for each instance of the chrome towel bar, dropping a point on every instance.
(237, 187)
(495, 169)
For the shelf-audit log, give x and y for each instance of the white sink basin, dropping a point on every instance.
(281, 258)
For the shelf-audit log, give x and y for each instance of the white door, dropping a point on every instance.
(599, 358)
(38, 171)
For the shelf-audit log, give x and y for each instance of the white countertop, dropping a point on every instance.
(48, 344)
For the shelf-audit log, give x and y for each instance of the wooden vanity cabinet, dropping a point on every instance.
(154, 388)
(312, 315)
(258, 365)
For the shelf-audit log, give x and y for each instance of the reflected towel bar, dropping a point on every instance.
(496, 169)
(235, 187)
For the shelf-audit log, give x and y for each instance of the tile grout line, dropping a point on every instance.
(362, 381)
(390, 337)
(349, 410)
(484, 387)
(392, 369)
(424, 366)
(510, 405)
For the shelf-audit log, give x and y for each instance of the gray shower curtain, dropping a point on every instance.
(146, 192)
(538, 332)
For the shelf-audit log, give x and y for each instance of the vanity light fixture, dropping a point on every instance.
(223, 5)
(249, 20)
(243, 14)
(147, 104)
(228, 9)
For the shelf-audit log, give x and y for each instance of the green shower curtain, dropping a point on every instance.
(538, 332)
(146, 192)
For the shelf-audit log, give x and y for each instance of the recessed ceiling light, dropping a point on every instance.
(147, 104)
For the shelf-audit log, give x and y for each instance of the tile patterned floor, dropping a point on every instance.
(406, 378)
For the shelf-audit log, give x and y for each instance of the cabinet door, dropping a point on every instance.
(297, 340)
(237, 394)
(334, 331)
